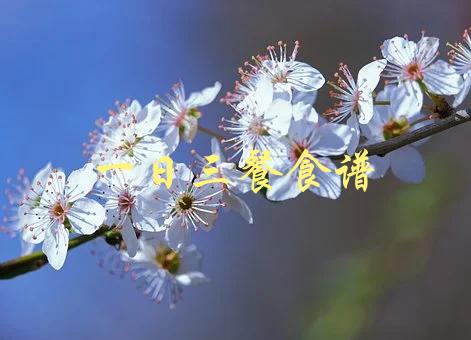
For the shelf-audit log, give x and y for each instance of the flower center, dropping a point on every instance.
(168, 259)
(414, 71)
(395, 128)
(256, 127)
(185, 202)
(128, 146)
(280, 77)
(58, 212)
(125, 202)
(297, 150)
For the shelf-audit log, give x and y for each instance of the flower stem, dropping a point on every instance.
(381, 102)
(36, 260)
(211, 133)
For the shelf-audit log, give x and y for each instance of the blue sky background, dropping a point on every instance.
(63, 64)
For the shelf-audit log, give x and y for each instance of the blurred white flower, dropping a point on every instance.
(63, 205)
(184, 206)
(356, 98)
(160, 270)
(181, 114)
(127, 136)
(23, 195)
(235, 184)
(321, 141)
(124, 193)
(413, 65)
(460, 58)
(406, 163)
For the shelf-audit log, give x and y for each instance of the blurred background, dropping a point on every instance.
(391, 263)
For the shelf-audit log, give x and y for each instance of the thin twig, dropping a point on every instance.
(211, 133)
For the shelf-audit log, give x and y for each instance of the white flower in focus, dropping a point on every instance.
(321, 141)
(184, 206)
(413, 65)
(160, 270)
(63, 205)
(181, 114)
(23, 195)
(356, 98)
(258, 126)
(287, 74)
(127, 136)
(460, 58)
(235, 184)
(406, 163)
(126, 209)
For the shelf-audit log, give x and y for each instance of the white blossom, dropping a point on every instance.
(63, 206)
(258, 126)
(160, 270)
(321, 141)
(355, 97)
(181, 114)
(414, 65)
(125, 202)
(235, 183)
(184, 205)
(460, 58)
(127, 136)
(406, 163)
(285, 72)
(23, 195)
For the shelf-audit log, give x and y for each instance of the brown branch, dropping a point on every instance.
(382, 148)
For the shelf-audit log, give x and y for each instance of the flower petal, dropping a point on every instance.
(406, 99)
(192, 278)
(216, 150)
(203, 97)
(55, 245)
(279, 116)
(172, 138)
(442, 78)
(80, 182)
(399, 51)
(190, 128)
(461, 96)
(283, 187)
(380, 166)
(148, 119)
(54, 186)
(330, 182)
(176, 235)
(237, 204)
(427, 48)
(305, 78)
(86, 216)
(333, 139)
(190, 259)
(352, 123)
(407, 164)
(129, 238)
(369, 75)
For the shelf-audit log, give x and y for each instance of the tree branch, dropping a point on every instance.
(382, 148)
(36, 260)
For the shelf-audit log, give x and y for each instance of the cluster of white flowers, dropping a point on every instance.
(274, 111)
